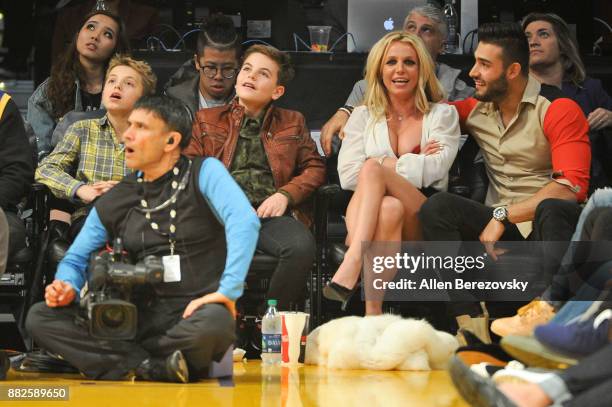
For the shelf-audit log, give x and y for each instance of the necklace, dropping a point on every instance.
(177, 187)
(398, 117)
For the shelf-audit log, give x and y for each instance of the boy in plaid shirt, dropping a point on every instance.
(89, 160)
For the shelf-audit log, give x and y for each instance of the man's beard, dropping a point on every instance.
(496, 90)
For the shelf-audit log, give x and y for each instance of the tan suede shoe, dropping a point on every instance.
(535, 313)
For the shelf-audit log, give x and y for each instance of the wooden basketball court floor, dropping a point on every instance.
(255, 385)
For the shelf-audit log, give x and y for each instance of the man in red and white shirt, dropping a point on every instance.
(535, 146)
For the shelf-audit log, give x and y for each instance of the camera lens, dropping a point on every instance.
(113, 316)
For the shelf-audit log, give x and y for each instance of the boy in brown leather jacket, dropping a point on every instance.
(269, 152)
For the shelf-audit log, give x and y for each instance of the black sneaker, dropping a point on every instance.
(171, 369)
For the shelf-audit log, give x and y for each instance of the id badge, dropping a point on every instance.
(172, 268)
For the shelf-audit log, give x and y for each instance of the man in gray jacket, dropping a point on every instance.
(429, 24)
(208, 80)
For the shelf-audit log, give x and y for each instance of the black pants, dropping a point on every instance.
(294, 245)
(588, 255)
(449, 217)
(556, 221)
(203, 337)
(590, 381)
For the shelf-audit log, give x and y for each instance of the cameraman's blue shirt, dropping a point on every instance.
(229, 204)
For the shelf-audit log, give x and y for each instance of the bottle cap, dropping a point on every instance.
(272, 303)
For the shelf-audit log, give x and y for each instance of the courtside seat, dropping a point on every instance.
(263, 262)
(22, 256)
(18, 283)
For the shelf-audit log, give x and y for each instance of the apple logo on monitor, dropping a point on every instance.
(389, 24)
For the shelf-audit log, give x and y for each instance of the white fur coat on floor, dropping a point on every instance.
(382, 342)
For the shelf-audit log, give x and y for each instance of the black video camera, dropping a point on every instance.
(107, 305)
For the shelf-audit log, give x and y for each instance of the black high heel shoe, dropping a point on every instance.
(336, 292)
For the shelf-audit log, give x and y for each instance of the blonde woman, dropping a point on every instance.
(398, 148)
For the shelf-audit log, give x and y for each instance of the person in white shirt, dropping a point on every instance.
(398, 148)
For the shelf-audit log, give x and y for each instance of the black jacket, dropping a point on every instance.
(183, 85)
(16, 166)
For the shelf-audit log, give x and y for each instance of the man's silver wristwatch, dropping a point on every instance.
(501, 214)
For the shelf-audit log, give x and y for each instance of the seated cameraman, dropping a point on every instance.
(190, 212)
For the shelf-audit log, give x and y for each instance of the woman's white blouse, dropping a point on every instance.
(364, 139)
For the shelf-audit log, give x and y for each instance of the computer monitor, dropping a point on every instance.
(370, 20)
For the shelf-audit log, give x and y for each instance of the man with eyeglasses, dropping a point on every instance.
(208, 80)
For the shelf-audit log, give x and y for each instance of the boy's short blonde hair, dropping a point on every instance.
(149, 80)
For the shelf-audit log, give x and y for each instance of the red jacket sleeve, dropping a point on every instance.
(567, 131)
(464, 108)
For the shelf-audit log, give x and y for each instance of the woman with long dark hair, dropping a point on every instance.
(77, 78)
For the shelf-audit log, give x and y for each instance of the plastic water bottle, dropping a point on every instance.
(451, 46)
(271, 335)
